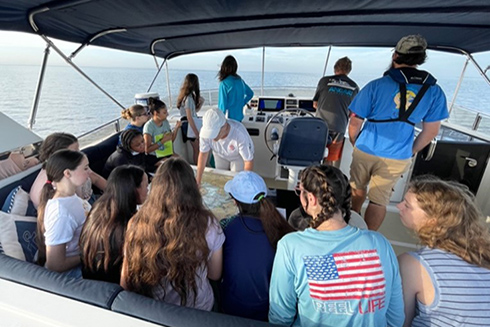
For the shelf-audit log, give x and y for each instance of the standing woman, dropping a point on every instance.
(446, 283)
(189, 102)
(61, 212)
(234, 93)
(173, 244)
(333, 274)
(250, 246)
(102, 237)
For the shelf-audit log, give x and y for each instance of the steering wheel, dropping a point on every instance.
(298, 112)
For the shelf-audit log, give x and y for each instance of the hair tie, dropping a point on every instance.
(261, 197)
(48, 182)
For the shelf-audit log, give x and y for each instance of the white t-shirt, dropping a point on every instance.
(237, 144)
(63, 222)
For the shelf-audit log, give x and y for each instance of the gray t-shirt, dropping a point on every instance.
(188, 103)
(334, 94)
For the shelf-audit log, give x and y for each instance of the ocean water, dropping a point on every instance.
(70, 103)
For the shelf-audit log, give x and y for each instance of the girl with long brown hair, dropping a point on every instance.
(234, 93)
(61, 212)
(173, 244)
(448, 280)
(250, 246)
(102, 237)
(189, 102)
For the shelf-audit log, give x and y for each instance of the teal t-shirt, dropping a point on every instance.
(155, 131)
(346, 277)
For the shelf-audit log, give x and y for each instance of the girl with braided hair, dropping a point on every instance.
(446, 282)
(131, 151)
(300, 220)
(333, 274)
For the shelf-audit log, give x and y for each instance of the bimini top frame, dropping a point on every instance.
(170, 28)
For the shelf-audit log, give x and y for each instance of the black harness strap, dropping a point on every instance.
(403, 114)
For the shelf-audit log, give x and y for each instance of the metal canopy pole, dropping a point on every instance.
(159, 69)
(263, 71)
(458, 85)
(326, 60)
(68, 61)
(37, 94)
(168, 85)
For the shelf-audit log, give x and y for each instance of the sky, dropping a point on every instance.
(27, 49)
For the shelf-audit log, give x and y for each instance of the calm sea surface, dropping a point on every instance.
(69, 103)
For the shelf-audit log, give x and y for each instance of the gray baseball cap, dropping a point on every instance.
(411, 44)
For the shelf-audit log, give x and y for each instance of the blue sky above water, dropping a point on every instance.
(26, 49)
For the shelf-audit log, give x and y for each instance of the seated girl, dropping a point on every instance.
(50, 145)
(131, 151)
(157, 132)
(250, 246)
(333, 274)
(173, 243)
(447, 282)
(61, 212)
(137, 116)
(102, 237)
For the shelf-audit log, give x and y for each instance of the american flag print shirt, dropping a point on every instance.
(354, 281)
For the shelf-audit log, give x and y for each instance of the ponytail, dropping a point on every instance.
(275, 226)
(47, 193)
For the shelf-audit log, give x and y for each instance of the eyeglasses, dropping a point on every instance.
(297, 190)
(143, 114)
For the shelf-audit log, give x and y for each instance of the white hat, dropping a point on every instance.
(245, 187)
(212, 121)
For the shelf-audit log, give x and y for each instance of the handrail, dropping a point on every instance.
(116, 120)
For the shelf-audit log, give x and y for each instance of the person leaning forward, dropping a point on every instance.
(389, 107)
(232, 146)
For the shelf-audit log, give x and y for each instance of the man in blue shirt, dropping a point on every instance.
(389, 107)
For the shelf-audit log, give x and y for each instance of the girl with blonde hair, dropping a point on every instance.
(447, 281)
(173, 244)
(137, 116)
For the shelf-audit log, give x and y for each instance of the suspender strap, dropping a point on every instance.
(403, 114)
(406, 114)
(403, 100)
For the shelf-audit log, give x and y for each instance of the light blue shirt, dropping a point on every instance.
(234, 93)
(347, 277)
(379, 100)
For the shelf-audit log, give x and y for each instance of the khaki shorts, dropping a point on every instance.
(380, 173)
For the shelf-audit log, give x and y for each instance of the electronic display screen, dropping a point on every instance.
(271, 104)
(307, 105)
